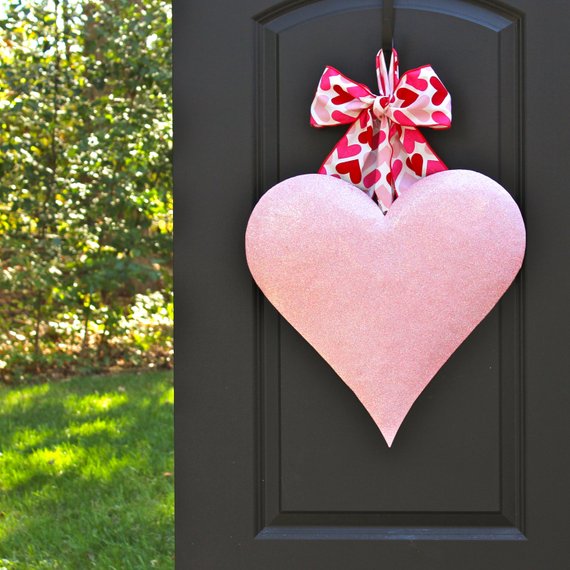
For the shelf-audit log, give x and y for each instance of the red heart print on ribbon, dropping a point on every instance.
(387, 152)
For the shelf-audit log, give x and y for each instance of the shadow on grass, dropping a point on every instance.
(85, 473)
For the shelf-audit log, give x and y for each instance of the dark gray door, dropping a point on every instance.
(278, 465)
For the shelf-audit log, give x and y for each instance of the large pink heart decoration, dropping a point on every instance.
(386, 299)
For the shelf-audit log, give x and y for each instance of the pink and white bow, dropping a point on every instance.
(383, 152)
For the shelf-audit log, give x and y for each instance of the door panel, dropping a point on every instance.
(278, 464)
(448, 468)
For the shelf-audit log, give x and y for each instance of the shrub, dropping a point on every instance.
(85, 186)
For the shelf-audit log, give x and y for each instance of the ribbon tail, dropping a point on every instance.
(382, 188)
(362, 157)
(346, 159)
(413, 158)
(394, 71)
(382, 74)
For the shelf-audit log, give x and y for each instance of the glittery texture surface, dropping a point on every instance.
(386, 299)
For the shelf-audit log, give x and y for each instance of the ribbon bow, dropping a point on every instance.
(382, 152)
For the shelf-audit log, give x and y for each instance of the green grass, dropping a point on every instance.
(86, 474)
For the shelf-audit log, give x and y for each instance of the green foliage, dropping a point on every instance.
(85, 185)
(86, 473)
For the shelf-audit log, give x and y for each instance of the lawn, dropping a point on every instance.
(86, 473)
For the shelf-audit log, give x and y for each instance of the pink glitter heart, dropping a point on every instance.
(386, 299)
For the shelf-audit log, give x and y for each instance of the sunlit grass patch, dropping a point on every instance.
(28, 437)
(94, 403)
(21, 398)
(110, 428)
(168, 396)
(85, 473)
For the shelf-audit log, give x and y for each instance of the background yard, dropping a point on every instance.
(86, 461)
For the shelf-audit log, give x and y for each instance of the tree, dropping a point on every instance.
(85, 184)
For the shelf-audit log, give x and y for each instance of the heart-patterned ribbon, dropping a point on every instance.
(382, 152)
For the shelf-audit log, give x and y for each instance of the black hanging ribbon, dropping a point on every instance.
(387, 27)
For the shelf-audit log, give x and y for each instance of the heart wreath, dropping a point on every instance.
(385, 289)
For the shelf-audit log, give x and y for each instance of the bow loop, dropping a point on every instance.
(382, 152)
(387, 78)
(338, 100)
(421, 100)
